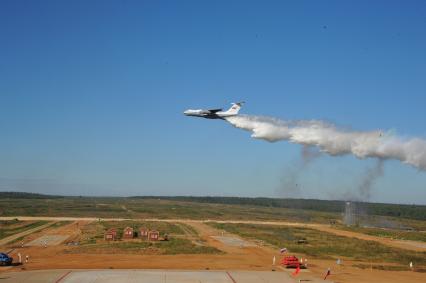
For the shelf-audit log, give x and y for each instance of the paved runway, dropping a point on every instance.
(145, 276)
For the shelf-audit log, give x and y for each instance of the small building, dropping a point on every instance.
(143, 233)
(153, 235)
(128, 233)
(111, 234)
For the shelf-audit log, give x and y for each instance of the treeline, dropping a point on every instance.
(397, 210)
(417, 212)
(23, 195)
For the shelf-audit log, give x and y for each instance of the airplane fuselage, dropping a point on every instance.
(206, 114)
(214, 113)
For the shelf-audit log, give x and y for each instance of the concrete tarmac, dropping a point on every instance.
(147, 276)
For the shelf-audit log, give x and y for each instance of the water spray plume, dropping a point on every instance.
(334, 141)
(369, 179)
(309, 154)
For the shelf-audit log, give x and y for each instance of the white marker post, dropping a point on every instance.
(338, 262)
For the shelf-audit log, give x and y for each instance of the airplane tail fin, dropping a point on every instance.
(235, 108)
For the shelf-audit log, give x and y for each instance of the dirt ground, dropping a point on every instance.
(248, 257)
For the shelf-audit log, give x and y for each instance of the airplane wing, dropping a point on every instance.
(214, 110)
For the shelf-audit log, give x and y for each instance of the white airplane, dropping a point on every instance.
(215, 113)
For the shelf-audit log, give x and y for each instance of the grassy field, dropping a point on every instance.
(188, 229)
(162, 227)
(389, 233)
(220, 208)
(60, 223)
(154, 208)
(94, 231)
(390, 222)
(8, 228)
(417, 212)
(323, 245)
(79, 207)
(188, 208)
(92, 239)
(171, 247)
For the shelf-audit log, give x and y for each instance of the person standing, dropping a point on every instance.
(328, 273)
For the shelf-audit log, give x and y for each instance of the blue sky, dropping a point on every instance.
(92, 94)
